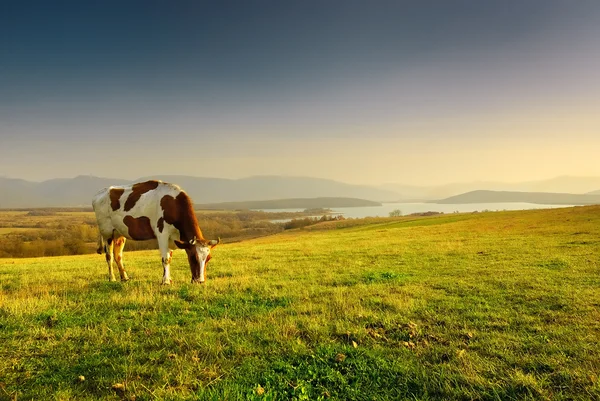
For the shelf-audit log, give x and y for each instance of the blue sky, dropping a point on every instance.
(424, 92)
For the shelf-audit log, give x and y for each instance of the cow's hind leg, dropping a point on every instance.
(100, 244)
(108, 249)
(119, 244)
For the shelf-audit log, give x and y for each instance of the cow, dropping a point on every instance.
(148, 210)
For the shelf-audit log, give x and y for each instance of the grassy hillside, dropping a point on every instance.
(491, 306)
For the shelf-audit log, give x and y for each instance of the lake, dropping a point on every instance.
(409, 208)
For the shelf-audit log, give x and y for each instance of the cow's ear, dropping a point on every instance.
(182, 244)
(214, 242)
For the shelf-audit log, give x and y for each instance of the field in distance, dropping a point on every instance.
(297, 203)
(490, 306)
(58, 232)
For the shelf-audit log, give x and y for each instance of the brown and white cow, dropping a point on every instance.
(147, 210)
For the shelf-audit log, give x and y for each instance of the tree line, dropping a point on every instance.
(40, 233)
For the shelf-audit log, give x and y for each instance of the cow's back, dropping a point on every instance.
(132, 211)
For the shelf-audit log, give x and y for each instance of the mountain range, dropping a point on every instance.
(563, 184)
(543, 198)
(78, 191)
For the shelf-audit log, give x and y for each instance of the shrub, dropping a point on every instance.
(309, 221)
(41, 212)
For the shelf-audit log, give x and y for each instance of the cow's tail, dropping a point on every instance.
(100, 248)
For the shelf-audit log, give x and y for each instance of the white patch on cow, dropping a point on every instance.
(203, 252)
(202, 266)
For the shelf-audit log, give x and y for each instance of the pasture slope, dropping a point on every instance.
(488, 306)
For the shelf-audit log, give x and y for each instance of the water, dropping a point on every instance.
(409, 208)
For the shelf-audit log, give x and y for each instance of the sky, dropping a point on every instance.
(364, 92)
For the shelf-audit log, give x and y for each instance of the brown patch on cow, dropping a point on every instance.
(137, 191)
(115, 198)
(160, 224)
(140, 229)
(179, 212)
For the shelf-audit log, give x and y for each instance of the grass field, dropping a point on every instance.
(488, 306)
(9, 230)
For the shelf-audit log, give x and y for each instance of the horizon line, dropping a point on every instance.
(148, 177)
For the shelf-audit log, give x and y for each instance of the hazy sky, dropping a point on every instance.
(416, 92)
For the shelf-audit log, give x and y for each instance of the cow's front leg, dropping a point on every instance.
(167, 256)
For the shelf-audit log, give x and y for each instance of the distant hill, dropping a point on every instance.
(59, 192)
(211, 190)
(78, 191)
(297, 203)
(564, 184)
(594, 192)
(544, 198)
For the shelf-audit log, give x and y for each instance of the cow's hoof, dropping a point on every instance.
(167, 282)
(196, 281)
(112, 279)
(124, 279)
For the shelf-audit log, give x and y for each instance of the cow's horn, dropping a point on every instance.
(214, 242)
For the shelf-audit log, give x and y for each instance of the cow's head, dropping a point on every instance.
(198, 251)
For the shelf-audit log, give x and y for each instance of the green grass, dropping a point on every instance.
(487, 306)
